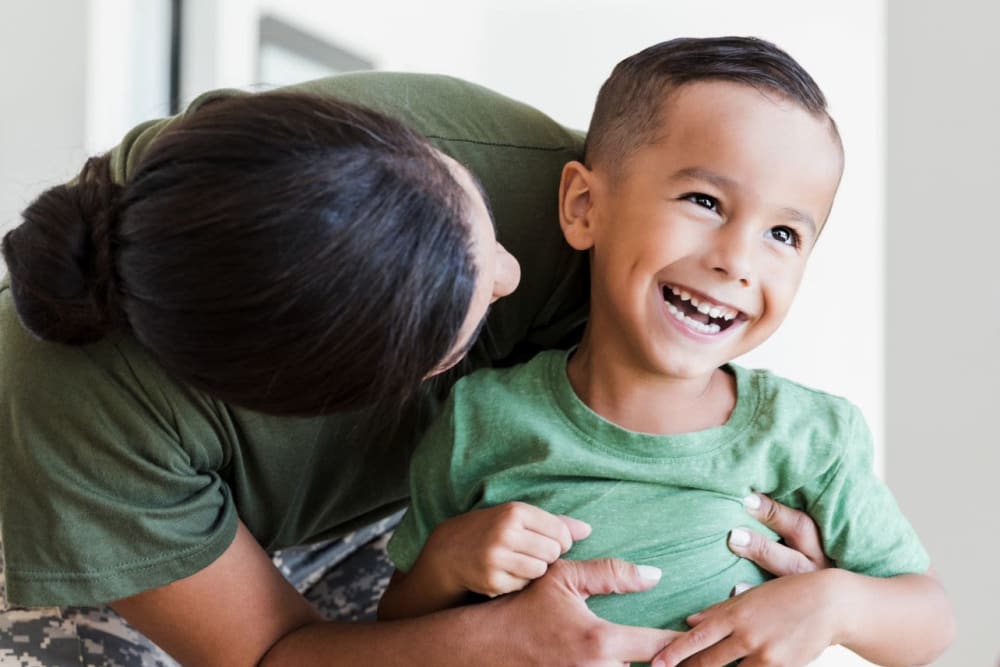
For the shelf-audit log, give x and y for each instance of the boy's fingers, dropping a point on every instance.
(539, 521)
(776, 558)
(578, 530)
(535, 545)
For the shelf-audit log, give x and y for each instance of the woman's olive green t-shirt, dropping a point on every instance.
(115, 478)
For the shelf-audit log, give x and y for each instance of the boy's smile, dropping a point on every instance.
(699, 313)
(699, 240)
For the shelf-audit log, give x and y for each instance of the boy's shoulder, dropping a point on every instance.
(779, 399)
(769, 385)
(534, 373)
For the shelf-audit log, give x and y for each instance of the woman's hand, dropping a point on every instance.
(801, 546)
(787, 621)
(549, 623)
(499, 549)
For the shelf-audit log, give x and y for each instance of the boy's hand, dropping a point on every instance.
(786, 621)
(500, 549)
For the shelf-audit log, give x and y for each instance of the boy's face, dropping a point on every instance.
(700, 244)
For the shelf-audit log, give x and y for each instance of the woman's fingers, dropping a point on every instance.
(723, 653)
(797, 529)
(604, 576)
(692, 643)
(774, 557)
(604, 642)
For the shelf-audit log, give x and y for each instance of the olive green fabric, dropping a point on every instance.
(115, 478)
(664, 500)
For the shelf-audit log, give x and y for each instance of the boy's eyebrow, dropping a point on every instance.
(702, 174)
(804, 218)
(724, 182)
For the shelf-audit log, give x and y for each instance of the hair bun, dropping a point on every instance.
(61, 259)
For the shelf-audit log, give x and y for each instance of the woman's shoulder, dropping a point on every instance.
(113, 381)
(447, 108)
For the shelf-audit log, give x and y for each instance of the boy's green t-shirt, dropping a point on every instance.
(115, 478)
(522, 434)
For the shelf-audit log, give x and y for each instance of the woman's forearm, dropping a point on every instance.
(452, 637)
(903, 620)
(417, 593)
(547, 623)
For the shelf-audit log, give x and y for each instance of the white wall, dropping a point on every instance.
(943, 306)
(42, 99)
(76, 75)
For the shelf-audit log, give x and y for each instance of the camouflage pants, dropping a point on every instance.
(343, 579)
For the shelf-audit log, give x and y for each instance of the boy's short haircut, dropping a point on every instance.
(626, 115)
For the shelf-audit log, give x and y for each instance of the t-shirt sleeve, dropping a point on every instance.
(863, 528)
(102, 495)
(433, 496)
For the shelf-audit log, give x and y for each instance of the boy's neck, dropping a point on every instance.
(650, 403)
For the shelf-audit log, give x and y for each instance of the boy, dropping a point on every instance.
(711, 167)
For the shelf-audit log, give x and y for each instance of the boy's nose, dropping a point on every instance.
(732, 256)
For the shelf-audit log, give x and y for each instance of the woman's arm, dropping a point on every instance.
(240, 612)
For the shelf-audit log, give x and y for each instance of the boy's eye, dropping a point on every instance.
(785, 235)
(705, 201)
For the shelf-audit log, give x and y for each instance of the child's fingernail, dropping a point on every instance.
(738, 537)
(648, 572)
(752, 502)
(658, 663)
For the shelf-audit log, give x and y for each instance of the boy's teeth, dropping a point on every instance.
(712, 328)
(702, 307)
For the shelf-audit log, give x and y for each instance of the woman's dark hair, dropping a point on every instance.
(627, 113)
(281, 251)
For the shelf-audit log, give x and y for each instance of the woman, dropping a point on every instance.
(237, 308)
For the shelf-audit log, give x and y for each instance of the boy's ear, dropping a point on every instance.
(576, 205)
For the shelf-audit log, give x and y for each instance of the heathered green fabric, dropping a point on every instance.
(669, 501)
(115, 478)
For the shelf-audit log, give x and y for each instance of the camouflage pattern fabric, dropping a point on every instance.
(343, 578)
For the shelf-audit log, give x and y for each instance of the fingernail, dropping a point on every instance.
(648, 572)
(658, 663)
(741, 588)
(738, 537)
(752, 502)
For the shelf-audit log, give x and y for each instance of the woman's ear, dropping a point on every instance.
(576, 205)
